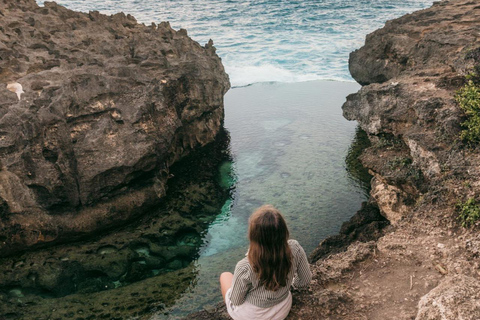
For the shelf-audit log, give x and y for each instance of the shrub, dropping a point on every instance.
(469, 212)
(389, 142)
(468, 99)
(399, 162)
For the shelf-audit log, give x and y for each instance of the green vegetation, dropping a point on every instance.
(468, 99)
(469, 212)
(389, 142)
(399, 162)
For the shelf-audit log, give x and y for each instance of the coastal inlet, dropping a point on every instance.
(287, 144)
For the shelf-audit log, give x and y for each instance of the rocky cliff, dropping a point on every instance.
(94, 110)
(410, 71)
(426, 265)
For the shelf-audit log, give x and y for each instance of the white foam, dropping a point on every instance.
(244, 75)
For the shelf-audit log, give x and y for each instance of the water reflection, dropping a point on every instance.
(357, 172)
(140, 269)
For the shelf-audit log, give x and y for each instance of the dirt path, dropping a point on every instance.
(387, 279)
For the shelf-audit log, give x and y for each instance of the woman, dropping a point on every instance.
(260, 286)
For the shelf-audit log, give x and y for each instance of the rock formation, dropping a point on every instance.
(410, 71)
(133, 271)
(108, 106)
(454, 298)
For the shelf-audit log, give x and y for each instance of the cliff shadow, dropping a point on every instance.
(138, 269)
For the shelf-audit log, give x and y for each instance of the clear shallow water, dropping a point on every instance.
(288, 146)
(269, 40)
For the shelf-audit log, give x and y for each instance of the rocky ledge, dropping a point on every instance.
(94, 110)
(426, 265)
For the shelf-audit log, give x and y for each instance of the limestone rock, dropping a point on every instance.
(454, 298)
(427, 42)
(108, 106)
(410, 71)
(389, 199)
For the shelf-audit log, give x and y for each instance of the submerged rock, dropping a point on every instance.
(108, 106)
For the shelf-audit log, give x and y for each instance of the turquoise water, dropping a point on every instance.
(288, 146)
(269, 40)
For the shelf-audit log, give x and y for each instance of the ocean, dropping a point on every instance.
(269, 40)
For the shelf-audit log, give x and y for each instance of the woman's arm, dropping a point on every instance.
(241, 283)
(303, 276)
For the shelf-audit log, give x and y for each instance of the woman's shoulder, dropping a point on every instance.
(293, 243)
(294, 246)
(243, 264)
(243, 269)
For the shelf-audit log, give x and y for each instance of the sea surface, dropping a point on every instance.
(285, 143)
(269, 40)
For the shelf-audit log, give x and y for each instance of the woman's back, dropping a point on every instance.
(260, 287)
(246, 285)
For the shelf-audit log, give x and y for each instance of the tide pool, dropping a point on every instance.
(288, 144)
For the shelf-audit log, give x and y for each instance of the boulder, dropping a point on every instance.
(108, 105)
(456, 297)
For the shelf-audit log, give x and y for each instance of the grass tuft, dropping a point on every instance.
(469, 212)
(468, 98)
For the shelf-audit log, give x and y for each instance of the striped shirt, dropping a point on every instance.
(246, 285)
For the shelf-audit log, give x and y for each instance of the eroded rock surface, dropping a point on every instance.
(136, 270)
(411, 70)
(108, 106)
(454, 298)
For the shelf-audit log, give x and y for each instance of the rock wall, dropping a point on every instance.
(108, 106)
(140, 268)
(410, 71)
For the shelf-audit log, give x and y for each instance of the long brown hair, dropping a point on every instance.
(269, 253)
